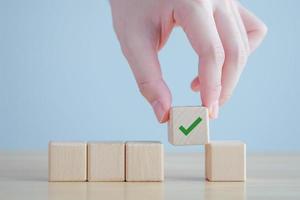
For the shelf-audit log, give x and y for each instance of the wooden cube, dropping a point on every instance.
(188, 126)
(225, 161)
(67, 161)
(106, 161)
(144, 161)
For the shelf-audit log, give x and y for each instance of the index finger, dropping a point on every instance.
(197, 21)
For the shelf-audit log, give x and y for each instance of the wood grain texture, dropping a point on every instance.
(276, 175)
(67, 161)
(225, 161)
(106, 161)
(185, 116)
(144, 161)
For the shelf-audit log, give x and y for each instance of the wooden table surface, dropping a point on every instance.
(23, 175)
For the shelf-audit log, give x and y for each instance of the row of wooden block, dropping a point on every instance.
(106, 161)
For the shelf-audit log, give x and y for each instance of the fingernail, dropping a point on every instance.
(214, 110)
(159, 110)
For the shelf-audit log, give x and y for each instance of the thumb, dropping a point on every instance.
(140, 49)
(158, 95)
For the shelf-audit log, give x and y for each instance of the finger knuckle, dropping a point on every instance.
(149, 87)
(211, 93)
(216, 52)
(206, 84)
(263, 29)
(203, 3)
(237, 55)
(224, 98)
(192, 6)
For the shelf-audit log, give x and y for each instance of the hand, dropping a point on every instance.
(222, 32)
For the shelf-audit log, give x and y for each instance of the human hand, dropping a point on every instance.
(222, 32)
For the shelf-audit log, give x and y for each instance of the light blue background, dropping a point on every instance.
(63, 77)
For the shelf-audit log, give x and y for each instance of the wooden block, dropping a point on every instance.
(225, 161)
(188, 126)
(144, 161)
(106, 161)
(67, 161)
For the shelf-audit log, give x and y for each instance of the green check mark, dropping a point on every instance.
(187, 131)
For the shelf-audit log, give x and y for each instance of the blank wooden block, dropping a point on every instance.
(144, 161)
(106, 161)
(67, 161)
(188, 126)
(225, 161)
